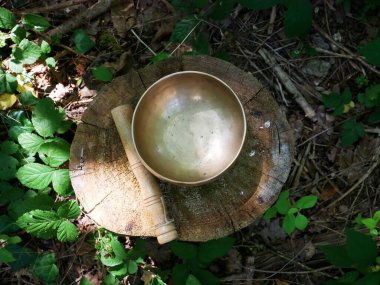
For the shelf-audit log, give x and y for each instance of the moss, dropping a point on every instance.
(108, 41)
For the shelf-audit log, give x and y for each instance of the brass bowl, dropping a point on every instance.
(188, 128)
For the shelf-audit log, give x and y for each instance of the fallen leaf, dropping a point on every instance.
(328, 192)
(123, 16)
(7, 101)
(281, 282)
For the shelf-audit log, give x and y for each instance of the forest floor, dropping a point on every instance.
(345, 179)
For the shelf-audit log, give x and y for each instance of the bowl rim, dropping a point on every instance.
(198, 182)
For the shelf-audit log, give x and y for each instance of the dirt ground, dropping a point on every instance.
(345, 179)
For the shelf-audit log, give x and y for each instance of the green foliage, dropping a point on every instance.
(361, 81)
(293, 219)
(338, 102)
(183, 28)
(45, 267)
(7, 19)
(359, 253)
(196, 259)
(371, 51)
(8, 83)
(26, 52)
(259, 4)
(46, 118)
(102, 73)
(120, 261)
(298, 18)
(83, 43)
(35, 22)
(351, 131)
(372, 224)
(159, 57)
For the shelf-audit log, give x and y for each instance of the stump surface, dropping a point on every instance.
(109, 192)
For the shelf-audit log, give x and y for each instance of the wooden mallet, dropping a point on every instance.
(152, 196)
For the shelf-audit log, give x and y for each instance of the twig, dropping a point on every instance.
(273, 14)
(53, 7)
(86, 15)
(300, 168)
(141, 41)
(284, 78)
(375, 163)
(350, 53)
(191, 31)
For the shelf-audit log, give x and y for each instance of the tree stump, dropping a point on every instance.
(109, 192)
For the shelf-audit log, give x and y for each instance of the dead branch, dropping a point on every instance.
(95, 10)
(289, 85)
(53, 7)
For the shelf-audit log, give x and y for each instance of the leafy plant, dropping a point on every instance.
(196, 259)
(359, 254)
(119, 261)
(372, 224)
(293, 219)
(83, 43)
(340, 103)
(102, 73)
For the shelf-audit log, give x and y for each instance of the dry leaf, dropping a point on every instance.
(281, 282)
(7, 101)
(123, 16)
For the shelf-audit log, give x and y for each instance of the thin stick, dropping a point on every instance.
(289, 85)
(86, 15)
(53, 7)
(141, 41)
(376, 160)
(273, 14)
(191, 31)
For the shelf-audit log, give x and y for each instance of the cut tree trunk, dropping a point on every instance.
(109, 192)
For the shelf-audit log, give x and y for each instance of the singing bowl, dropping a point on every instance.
(188, 128)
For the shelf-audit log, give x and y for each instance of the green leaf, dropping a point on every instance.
(213, 249)
(7, 19)
(298, 18)
(205, 276)
(9, 147)
(109, 260)
(351, 131)
(46, 118)
(138, 251)
(349, 277)
(85, 281)
(201, 45)
(45, 267)
(17, 34)
(61, 182)
(283, 204)
(30, 142)
(132, 266)
(337, 255)
(183, 250)
(102, 73)
(289, 223)
(8, 167)
(270, 213)
(160, 56)
(376, 216)
(371, 97)
(119, 271)
(371, 51)
(27, 52)
(118, 249)
(42, 224)
(307, 202)
(15, 66)
(69, 210)
(35, 175)
(292, 211)
(360, 248)
(3, 39)
(45, 47)
(55, 153)
(9, 193)
(110, 280)
(35, 22)
(192, 280)
(30, 202)
(222, 9)
(337, 101)
(301, 222)
(50, 62)
(64, 127)
(259, 4)
(370, 223)
(372, 278)
(374, 117)
(24, 256)
(83, 43)
(183, 28)
(6, 256)
(180, 273)
(67, 231)
(8, 83)
(27, 99)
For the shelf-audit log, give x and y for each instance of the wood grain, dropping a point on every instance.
(110, 194)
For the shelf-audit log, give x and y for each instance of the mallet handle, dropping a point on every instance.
(153, 199)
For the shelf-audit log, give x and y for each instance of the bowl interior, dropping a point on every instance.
(188, 127)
